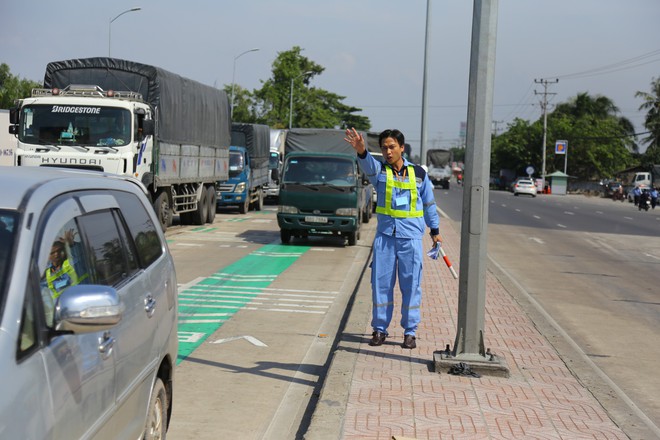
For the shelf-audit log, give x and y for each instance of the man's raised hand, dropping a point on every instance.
(355, 139)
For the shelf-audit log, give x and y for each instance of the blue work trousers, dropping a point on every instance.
(394, 257)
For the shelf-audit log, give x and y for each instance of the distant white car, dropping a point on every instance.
(524, 186)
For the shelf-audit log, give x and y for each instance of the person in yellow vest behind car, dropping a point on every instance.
(60, 273)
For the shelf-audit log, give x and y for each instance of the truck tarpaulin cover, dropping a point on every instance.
(255, 138)
(189, 112)
(438, 158)
(319, 140)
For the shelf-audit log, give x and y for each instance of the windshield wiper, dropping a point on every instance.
(49, 145)
(333, 186)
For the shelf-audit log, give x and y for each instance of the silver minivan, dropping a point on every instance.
(88, 308)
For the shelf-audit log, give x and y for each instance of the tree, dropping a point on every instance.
(651, 105)
(312, 107)
(13, 88)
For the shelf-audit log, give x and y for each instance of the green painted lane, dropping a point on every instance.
(206, 305)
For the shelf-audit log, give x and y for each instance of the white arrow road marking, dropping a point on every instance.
(251, 339)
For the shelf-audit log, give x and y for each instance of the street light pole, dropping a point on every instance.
(233, 76)
(309, 72)
(137, 8)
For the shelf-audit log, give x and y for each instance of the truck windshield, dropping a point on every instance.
(236, 163)
(320, 170)
(273, 161)
(75, 125)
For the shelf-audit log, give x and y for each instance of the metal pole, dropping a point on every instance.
(113, 19)
(469, 343)
(422, 148)
(309, 72)
(233, 76)
(566, 159)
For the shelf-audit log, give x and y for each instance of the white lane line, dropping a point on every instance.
(560, 225)
(652, 256)
(536, 217)
(538, 240)
(599, 212)
(569, 213)
(205, 288)
(628, 218)
(518, 210)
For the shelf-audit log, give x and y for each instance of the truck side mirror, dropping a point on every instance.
(148, 127)
(13, 115)
(13, 129)
(275, 175)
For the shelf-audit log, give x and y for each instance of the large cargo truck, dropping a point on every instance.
(439, 164)
(248, 168)
(322, 191)
(123, 117)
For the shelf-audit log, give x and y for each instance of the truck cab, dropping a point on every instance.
(236, 190)
(322, 194)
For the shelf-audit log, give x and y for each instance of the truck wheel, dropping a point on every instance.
(285, 236)
(259, 206)
(212, 199)
(162, 208)
(201, 214)
(245, 206)
(156, 427)
(366, 214)
(352, 238)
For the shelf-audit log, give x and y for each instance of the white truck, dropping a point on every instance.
(439, 164)
(123, 117)
(7, 142)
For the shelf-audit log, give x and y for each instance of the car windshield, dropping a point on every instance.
(525, 182)
(8, 223)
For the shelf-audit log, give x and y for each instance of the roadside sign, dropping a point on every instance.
(560, 147)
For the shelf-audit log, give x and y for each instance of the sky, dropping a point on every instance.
(372, 50)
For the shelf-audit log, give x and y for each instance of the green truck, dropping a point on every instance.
(322, 190)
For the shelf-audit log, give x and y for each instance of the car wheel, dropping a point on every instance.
(352, 238)
(156, 428)
(285, 236)
(515, 194)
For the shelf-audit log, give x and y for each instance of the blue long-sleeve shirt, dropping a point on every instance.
(409, 227)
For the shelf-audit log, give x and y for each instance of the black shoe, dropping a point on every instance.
(409, 342)
(377, 339)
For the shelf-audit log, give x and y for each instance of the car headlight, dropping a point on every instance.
(285, 209)
(240, 187)
(347, 212)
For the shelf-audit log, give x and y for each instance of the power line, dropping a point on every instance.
(629, 63)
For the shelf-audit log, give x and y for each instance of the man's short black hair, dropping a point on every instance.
(394, 133)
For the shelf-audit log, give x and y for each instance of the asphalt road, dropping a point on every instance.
(257, 322)
(592, 267)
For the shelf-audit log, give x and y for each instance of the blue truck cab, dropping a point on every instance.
(248, 168)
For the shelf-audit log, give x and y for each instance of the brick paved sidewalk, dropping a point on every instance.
(396, 392)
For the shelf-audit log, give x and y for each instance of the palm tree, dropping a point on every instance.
(652, 121)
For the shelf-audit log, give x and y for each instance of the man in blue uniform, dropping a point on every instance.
(405, 207)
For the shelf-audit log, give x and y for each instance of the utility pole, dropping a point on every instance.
(495, 124)
(544, 107)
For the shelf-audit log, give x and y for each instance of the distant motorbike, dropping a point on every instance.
(616, 195)
(644, 201)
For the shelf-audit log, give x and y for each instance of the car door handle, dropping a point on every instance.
(106, 343)
(149, 305)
